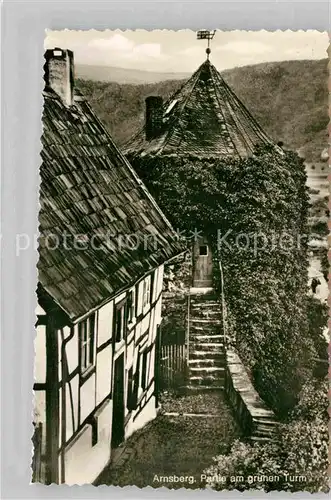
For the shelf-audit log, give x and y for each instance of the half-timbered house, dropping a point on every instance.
(102, 249)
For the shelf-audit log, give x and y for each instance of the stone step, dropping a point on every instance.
(207, 314)
(207, 382)
(204, 330)
(205, 363)
(205, 355)
(205, 304)
(260, 439)
(204, 321)
(264, 430)
(204, 297)
(209, 347)
(198, 338)
(215, 371)
(264, 421)
(262, 425)
(260, 431)
(204, 388)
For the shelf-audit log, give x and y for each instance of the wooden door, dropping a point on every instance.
(202, 264)
(118, 403)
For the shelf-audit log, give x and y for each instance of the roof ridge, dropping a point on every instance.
(209, 119)
(212, 68)
(195, 78)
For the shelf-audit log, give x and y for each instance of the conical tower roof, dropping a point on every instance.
(204, 118)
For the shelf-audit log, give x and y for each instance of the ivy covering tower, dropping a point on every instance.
(217, 175)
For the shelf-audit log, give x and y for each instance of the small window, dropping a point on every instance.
(86, 330)
(129, 402)
(120, 326)
(147, 291)
(94, 424)
(144, 371)
(131, 305)
(204, 250)
(171, 106)
(133, 385)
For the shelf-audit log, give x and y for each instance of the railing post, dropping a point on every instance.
(187, 340)
(223, 305)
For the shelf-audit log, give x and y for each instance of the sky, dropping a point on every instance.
(180, 51)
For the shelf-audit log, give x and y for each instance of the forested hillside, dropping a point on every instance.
(289, 99)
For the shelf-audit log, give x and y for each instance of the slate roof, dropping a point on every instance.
(88, 188)
(205, 119)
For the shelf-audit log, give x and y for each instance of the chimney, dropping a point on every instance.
(59, 73)
(154, 116)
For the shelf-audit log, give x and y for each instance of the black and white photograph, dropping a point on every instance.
(182, 320)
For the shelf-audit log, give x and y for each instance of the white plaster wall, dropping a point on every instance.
(155, 286)
(140, 289)
(72, 351)
(105, 323)
(120, 297)
(145, 323)
(83, 463)
(71, 413)
(87, 398)
(152, 327)
(160, 279)
(40, 355)
(150, 373)
(104, 373)
(158, 311)
(129, 355)
(145, 416)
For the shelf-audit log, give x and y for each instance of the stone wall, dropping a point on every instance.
(257, 421)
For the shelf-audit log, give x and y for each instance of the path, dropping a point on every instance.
(180, 445)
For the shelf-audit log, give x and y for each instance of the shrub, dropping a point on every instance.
(317, 321)
(296, 461)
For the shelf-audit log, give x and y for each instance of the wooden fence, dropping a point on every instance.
(173, 367)
(173, 343)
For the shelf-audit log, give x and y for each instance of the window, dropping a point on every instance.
(133, 385)
(203, 250)
(171, 106)
(86, 330)
(131, 303)
(129, 403)
(94, 424)
(144, 371)
(147, 291)
(120, 326)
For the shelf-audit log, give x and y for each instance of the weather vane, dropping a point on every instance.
(206, 35)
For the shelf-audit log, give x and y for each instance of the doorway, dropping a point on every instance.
(118, 403)
(202, 264)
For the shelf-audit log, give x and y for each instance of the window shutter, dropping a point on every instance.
(134, 398)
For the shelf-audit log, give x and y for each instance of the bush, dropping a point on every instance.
(296, 461)
(317, 321)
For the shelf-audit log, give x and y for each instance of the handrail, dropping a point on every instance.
(188, 325)
(223, 304)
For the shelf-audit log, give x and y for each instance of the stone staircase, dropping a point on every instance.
(206, 346)
(264, 429)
